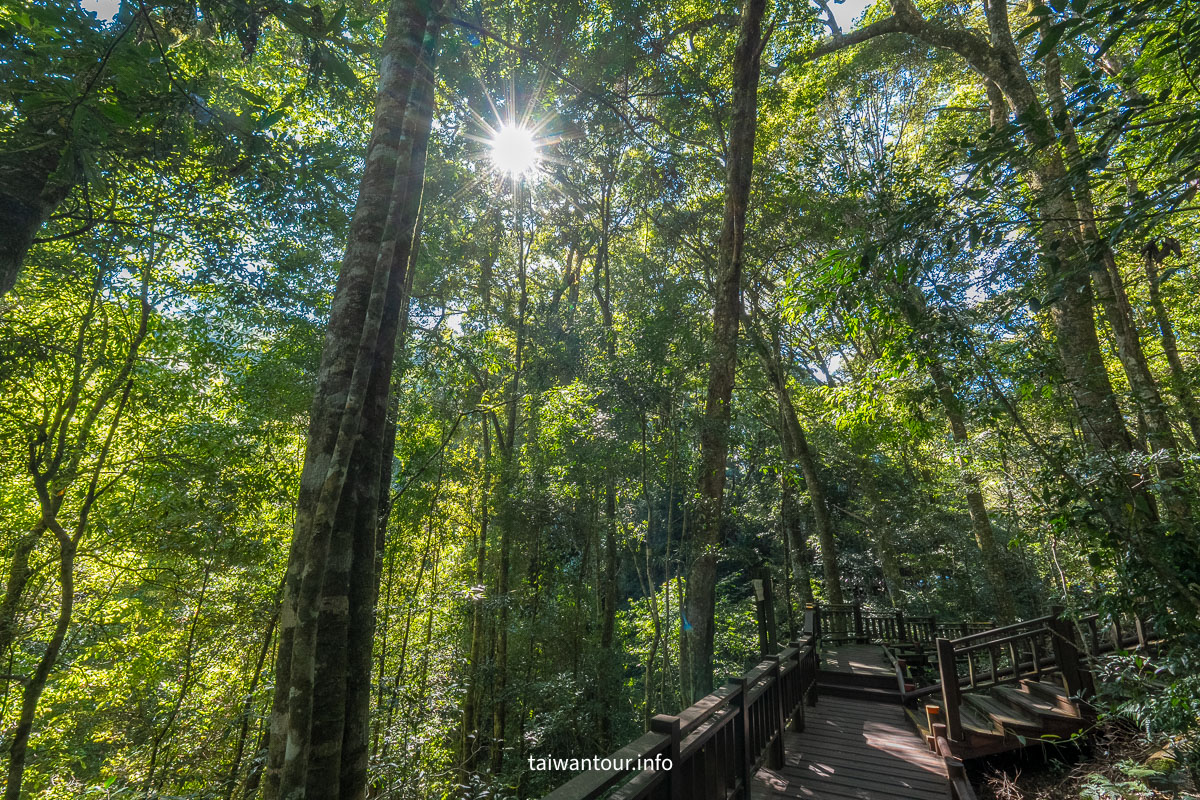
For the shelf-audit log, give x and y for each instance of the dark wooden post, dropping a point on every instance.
(812, 620)
(744, 760)
(760, 615)
(1093, 637)
(935, 730)
(668, 725)
(900, 632)
(951, 693)
(797, 721)
(814, 662)
(858, 621)
(778, 723)
(1066, 654)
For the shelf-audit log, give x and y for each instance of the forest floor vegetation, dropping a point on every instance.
(1123, 765)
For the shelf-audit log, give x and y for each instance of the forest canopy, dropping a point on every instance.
(394, 392)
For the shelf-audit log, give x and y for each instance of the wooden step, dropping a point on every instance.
(1010, 719)
(1035, 705)
(858, 692)
(972, 722)
(831, 676)
(1052, 692)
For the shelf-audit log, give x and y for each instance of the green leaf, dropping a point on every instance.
(337, 66)
(1049, 40)
(270, 119)
(117, 114)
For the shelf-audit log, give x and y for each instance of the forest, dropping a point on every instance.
(396, 391)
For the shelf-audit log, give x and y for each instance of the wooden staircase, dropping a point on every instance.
(1003, 718)
(1012, 687)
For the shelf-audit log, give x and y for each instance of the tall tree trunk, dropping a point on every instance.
(981, 523)
(470, 745)
(794, 539)
(1110, 287)
(37, 682)
(714, 432)
(1125, 503)
(651, 590)
(508, 475)
(1180, 383)
(319, 737)
(19, 573)
(609, 687)
(185, 685)
(32, 184)
(889, 563)
(796, 450)
(54, 465)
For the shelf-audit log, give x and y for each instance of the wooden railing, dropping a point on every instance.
(716, 745)
(1031, 649)
(851, 622)
(1126, 631)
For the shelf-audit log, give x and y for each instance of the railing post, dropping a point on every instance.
(951, 692)
(668, 725)
(760, 616)
(1093, 637)
(745, 761)
(858, 621)
(812, 620)
(797, 721)
(903, 637)
(1066, 653)
(814, 664)
(778, 722)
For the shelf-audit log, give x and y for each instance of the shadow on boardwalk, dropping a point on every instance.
(855, 750)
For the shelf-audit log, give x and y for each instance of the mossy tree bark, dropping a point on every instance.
(319, 739)
(714, 431)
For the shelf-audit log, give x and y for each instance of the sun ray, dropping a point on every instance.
(514, 150)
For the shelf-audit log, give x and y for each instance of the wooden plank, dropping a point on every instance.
(858, 659)
(778, 787)
(820, 773)
(886, 753)
(899, 762)
(855, 750)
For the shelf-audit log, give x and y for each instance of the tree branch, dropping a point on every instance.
(883, 27)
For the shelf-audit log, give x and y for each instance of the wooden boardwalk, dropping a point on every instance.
(995, 690)
(858, 659)
(855, 750)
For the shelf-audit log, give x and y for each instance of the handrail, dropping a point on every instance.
(716, 744)
(1030, 649)
(1016, 626)
(851, 622)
